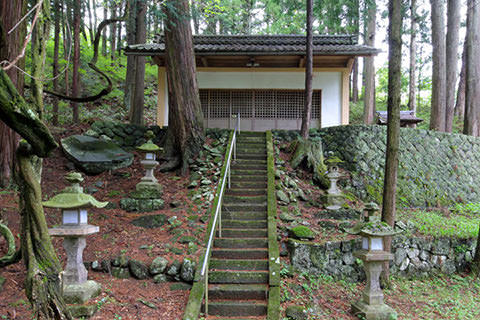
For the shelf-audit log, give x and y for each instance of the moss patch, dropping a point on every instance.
(302, 232)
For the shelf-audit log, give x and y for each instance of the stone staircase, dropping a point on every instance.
(239, 267)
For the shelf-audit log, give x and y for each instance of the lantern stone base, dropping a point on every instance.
(147, 198)
(149, 186)
(373, 312)
(82, 311)
(81, 292)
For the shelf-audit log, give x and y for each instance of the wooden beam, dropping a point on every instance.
(204, 61)
(301, 62)
(162, 101)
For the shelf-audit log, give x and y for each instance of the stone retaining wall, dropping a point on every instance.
(124, 134)
(434, 168)
(413, 257)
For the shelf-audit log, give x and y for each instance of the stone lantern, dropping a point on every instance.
(335, 197)
(149, 182)
(373, 231)
(74, 229)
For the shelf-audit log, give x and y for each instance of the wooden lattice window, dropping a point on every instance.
(219, 103)
(261, 104)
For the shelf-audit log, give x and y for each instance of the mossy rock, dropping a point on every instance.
(302, 232)
(296, 313)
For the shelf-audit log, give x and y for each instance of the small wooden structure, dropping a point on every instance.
(407, 118)
(262, 77)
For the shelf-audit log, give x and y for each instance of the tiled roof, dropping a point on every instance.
(262, 44)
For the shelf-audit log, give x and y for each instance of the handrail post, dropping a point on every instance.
(220, 221)
(238, 122)
(206, 293)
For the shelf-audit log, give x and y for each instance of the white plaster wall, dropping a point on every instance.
(329, 82)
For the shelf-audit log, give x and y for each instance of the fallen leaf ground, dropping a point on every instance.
(439, 297)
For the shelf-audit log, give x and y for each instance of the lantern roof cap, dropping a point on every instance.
(149, 146)
(372, 228)
(72, 197)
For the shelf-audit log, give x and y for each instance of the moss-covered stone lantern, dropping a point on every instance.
(373, 231)
(335, 198)
(149, 183)
(74, 229)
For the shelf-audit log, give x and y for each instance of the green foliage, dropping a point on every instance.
(442, 224)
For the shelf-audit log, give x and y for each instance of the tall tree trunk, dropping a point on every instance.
(91, 30)
(307, 110)
(185, 118)
(369, 67)
(113, 32)
(67, 35)
(439, 80)
(472, 89)
(453, 27)
(355, 81)
(131, 39)
(195, 18)
(119, 32)
(10, 46)
(393, 124)
(104, 33)
(136, 109)
(76, 58)
(460, 104)
(412, 103)
(57, 13)
(41, 35)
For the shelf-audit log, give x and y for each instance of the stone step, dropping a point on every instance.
(250, 207)
(248, 184)
(244, 224)
(249, 166)
(248, 178)
(240, 253)
(237, 277)
(241, 243)
(252, 134)
(246, 191)
(237, 309)
(243, 233)
(260, 145)
(244, 215)
(251, 148)
(250, 172)
(231, 199)
(237, 264)
(238, 291)
(251, 156)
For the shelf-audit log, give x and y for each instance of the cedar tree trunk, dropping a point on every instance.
(10, 46)
(439, 80)
(369, 67)
(453, 27)
(412, 102)
(393, 125)
(76, 58)
(472, 89)
(136, 109)
(307, 110)
(185, 118)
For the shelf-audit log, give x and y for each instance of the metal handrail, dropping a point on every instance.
(218, 210)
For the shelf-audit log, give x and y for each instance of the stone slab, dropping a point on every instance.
(81, 293)
(373, 312)
(94, 156)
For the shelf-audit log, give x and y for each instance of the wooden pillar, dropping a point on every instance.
(345, 97)
(162, 102)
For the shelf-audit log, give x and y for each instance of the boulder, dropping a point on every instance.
(94, 156)
(158, 265)
(187, 271)
(296, 313)
(138, 269)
